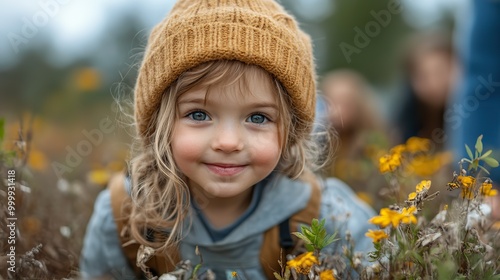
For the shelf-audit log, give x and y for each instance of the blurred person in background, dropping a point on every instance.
(429, 71)
(475, 110)
(354, 114)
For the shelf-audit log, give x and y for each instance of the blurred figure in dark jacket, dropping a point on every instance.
(429, 68)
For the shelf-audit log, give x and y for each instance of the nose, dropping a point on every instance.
(228, 138)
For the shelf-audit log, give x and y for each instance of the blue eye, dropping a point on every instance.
(257, 118)
(198, 116)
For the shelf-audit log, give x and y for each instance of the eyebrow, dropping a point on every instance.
(199, 100)
(263, 105)
(192, 100)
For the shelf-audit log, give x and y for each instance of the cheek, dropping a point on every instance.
(266, 150)
(185, 146)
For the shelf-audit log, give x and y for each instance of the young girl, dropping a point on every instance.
(224, 107)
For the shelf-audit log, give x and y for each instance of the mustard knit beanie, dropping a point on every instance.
(256, 32)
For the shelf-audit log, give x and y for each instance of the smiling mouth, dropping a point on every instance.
(225, 169)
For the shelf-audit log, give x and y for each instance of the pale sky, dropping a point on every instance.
(72, 25)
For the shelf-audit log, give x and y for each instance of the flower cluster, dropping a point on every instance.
(459, 242)
(390, 162)
(394, 217)
(469, 190)
(421, 194)
(420, 190)
(303, 263)
(415, 157)
(376, 235)
(326, 275)
(486, 190)
(307, 264)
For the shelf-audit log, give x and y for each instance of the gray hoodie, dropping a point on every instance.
(238, 251)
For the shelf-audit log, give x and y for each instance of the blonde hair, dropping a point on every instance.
(160, 194)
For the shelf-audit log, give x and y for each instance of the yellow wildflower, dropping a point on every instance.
(467, 193)
(412, 196)
(37, 160)
(389, 163)
(407, 216)
(326, 275)
(376, 235)
(384, 166)
(417, 144)
(423, 165)
(87, 79)
(303, 262)
(99, 176)
(424, 184)
(486, 189)
(234, 274)
(466, 181)
(387, 217)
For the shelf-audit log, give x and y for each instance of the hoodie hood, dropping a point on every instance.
(240, 249)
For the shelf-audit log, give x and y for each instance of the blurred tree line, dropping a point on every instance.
(365, 36)
(69, 92)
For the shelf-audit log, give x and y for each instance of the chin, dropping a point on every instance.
(217, 191)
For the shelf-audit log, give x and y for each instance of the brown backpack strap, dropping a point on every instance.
(271, 251)
(121, 205)
(310, 212)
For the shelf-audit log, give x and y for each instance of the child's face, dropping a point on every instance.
(226, 141)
